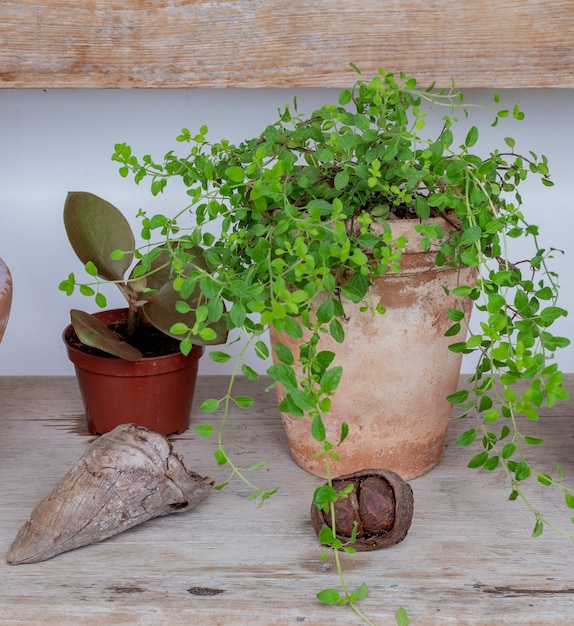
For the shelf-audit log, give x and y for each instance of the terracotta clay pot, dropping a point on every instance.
(5, 296)
(397, 371)
(155, 392)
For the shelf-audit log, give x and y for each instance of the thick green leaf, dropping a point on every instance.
(161, 311)
(96, 229)
(93, 332)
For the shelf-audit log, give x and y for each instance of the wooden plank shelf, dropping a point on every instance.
(468, 558)
(270, 43)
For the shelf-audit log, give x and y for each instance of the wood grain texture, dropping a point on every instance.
(272, 43)
(468, 559)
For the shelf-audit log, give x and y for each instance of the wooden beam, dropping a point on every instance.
(272, 43)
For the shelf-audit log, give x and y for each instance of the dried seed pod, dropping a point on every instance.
(124, 478)
(381, 504)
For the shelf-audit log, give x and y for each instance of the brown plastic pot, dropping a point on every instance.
(5, 296)
(155, 392)
(397, 371)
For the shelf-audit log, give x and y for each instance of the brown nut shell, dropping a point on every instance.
(381, 503)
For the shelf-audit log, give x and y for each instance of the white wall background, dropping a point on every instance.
(59, 140)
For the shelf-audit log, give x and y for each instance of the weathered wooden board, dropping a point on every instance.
(468, 558)
(273, 43)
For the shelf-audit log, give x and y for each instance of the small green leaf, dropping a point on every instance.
(331, 379)
(466, 438)
(117, 255)
(318, 429)
(220, 456)
(508, 450)
(538, 527)
(478, 460)
(341, 180)
(344, 432)
(204, 430)
(401, 617)
(209, 406)
(551, 313)
(458, 397)
(326, 536)
(522, 471)
(244, 402)
(91, 269)
(360, 593)
(301, 400)
(545, 479)
(569, 500)
(185, 346)
(510, 142)
(491, 463)
(207, 334)
(323, 495)
(329, 596)
(491, 415)
(261, 350)
(86, 290)
(219, 357)
(470, 235)
(471, 137)
(337, 331)
(249, 372)
(179, 329)
(284, 353)
(235, 174)
(283, 374)
(455, 315)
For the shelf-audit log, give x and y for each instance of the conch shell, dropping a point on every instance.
(124, 478)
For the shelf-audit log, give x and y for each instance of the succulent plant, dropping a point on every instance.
(105, 243)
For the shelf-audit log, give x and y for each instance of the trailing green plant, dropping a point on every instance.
(302, 211)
